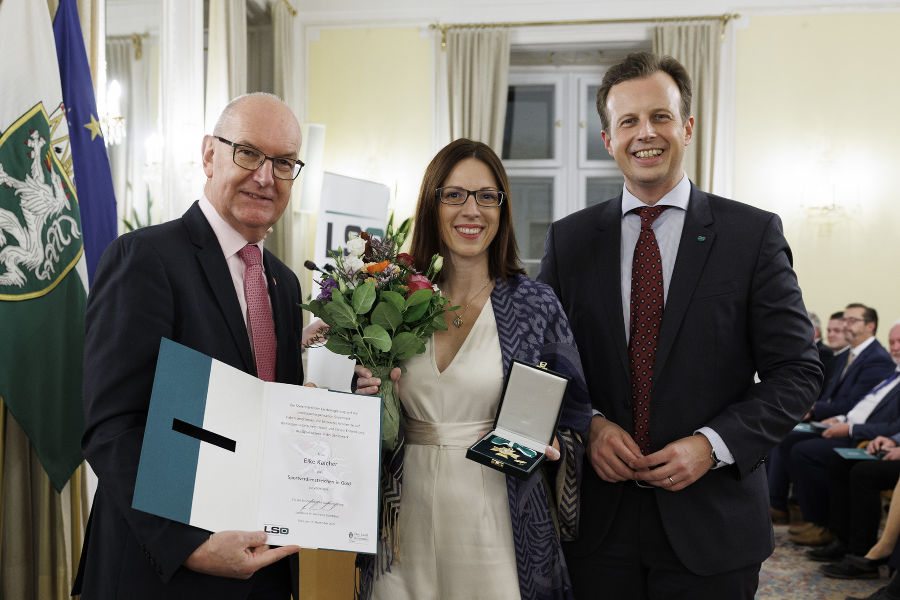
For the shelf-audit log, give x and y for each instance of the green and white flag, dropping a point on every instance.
(43, 279)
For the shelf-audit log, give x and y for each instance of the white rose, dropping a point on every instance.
(356, 246)
(353, 263)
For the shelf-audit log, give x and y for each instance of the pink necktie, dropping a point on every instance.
(647, 299)
(262, 327)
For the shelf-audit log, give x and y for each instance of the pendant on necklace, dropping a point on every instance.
(457, 322)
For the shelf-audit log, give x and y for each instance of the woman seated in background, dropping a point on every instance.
(461, 526)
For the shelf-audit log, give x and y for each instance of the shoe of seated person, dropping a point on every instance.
(847, 570)
(800, 527)
(814, 536)
(779, 517)
(832, 552)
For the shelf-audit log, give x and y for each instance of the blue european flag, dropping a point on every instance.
(93, 181)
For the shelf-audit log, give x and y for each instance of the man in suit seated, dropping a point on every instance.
(876, 414)
(855, 372)
(835, 333)
(204, 281)
(826, 354)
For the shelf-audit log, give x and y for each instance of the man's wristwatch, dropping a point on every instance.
(713, 458)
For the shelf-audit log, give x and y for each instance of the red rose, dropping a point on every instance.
(417, 282)
(405, 260)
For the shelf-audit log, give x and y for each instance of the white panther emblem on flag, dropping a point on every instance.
(39, 202)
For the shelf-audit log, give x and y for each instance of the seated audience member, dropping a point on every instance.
(877, 414)
(854, 493)
(826, 354)
(856, 372)
(887, 550)
(835, 333)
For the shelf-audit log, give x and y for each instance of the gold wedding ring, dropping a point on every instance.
(670, 480)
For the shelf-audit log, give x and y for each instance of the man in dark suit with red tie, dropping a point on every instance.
(674, 504)
(204, 281)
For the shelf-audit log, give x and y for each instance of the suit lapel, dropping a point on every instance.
(607, 251)
(697, 240)
(215, 269)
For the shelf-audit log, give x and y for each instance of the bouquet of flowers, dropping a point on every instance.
(379, 310)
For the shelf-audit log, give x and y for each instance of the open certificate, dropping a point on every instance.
(224, 450)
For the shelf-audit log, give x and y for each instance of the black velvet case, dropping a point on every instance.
(526, 420)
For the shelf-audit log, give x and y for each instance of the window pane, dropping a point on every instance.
(600, 189)
(595, 148)
(528, 133)
(531, 200)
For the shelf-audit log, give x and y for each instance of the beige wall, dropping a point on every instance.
(372, 89)
(816, 126)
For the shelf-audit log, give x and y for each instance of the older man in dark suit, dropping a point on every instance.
(676, 298)
(205, 281)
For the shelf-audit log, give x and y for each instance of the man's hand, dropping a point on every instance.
(830, 421)
(368, 385)
(892, 454)
(676, 466)
(551, 452)
(880, 443)
(235, 554)
(611, 450)
(837, 430)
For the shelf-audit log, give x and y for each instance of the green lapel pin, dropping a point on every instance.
(701, 238)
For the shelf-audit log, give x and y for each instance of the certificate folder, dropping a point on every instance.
(224, 450)
(525, 423)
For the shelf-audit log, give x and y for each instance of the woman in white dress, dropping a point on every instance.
(460, 529)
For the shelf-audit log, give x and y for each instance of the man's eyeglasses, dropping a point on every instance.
(853, 320)
(248, 157)
(457, 195)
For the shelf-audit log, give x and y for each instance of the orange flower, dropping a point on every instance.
(378, 267)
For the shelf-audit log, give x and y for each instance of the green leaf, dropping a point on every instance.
(363, 298)
(338, 312)
(314, 307)
(418, 297)
(339, 346)
(378, 337)
(416, 312)
(406, 345)
(439, 322)
(397, 300)
(386, 315)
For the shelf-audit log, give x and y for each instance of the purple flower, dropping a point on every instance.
(326, 284)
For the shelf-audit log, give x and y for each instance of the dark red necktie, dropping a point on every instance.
(259, 313)
(647, 299)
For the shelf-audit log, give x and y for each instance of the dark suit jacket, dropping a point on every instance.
(826, 355)
(733, 309)
(883, 420)
(168, 280)
(873, 365)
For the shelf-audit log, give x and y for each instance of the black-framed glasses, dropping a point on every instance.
(458, 195)
(248, 157)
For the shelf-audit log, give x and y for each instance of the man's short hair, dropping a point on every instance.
(639, 65)
(814, 319)
(836, 315)
(869, 314)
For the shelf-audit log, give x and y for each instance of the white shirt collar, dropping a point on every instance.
(229, 239)
(862, 346)
(678, 197)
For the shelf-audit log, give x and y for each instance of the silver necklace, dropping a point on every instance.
(458, 322)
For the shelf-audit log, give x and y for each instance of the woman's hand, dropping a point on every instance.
(552, 452)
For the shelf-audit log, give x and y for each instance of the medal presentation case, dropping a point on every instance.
(526, 420)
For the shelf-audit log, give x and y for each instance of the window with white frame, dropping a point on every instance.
(553, 151)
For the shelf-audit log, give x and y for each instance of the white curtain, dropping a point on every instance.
(285, 74)
(698, 47)
(477, 78)
(226, 59)
(134, 162)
